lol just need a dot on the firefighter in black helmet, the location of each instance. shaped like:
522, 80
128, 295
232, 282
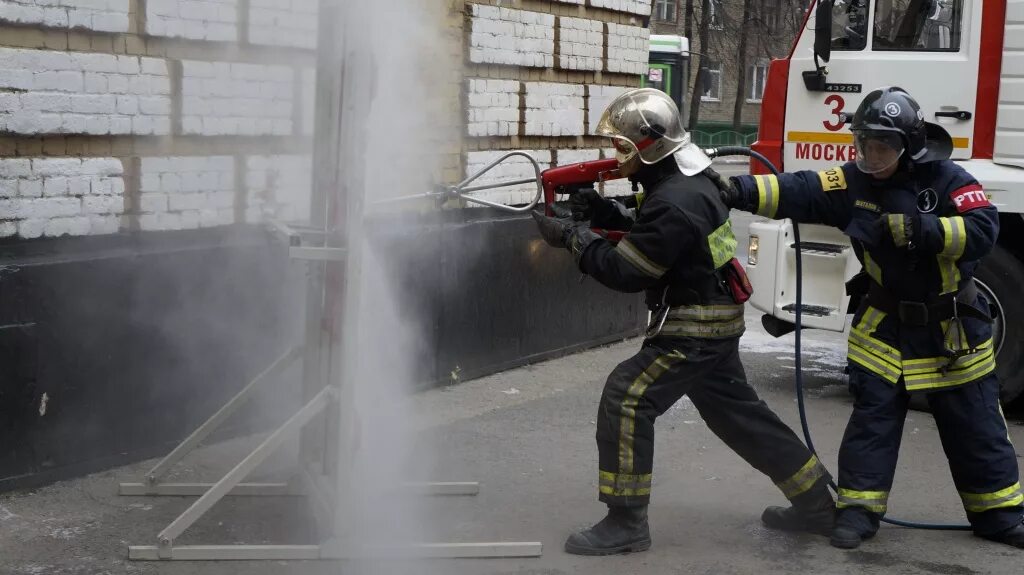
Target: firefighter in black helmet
919, 225
680, 250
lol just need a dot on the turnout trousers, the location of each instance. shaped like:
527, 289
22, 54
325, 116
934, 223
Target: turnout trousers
973, 433
708, 371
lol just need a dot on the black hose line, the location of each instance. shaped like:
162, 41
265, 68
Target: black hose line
744, 151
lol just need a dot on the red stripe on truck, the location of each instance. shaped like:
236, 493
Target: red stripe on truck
770, 133
993, 22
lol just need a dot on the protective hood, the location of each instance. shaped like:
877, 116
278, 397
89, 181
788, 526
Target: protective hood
691, 159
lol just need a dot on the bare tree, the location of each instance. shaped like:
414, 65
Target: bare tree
741, 66
698, 87
688, 20
747, 31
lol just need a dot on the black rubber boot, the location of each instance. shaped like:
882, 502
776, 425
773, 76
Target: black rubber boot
845, 538
1013, 536
624, 530
854, 525
815, 516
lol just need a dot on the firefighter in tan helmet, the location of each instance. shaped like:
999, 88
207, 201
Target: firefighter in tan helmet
680, 251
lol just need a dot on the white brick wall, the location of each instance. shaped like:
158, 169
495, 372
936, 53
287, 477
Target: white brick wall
60, 196
215, 20
580, 44
278, 186
554, 109
629, 49
493, 108
98, 15
641, 7
515, 168
511, 37
611, 189
283, 22
579, 2
82, 93
221, 98
600, 98
567, 157
186, 193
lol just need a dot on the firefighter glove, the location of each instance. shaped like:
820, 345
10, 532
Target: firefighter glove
584, 203
555, 231
613, 215
737, 192
601, 212
902, 229
579, 239
887, 230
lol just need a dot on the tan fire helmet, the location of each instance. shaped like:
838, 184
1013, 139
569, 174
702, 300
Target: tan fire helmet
646, 122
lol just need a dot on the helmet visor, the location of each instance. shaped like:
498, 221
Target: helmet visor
624, 150
877, 151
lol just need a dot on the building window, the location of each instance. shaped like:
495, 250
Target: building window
712, 78
665, 10
757, 78
770, 10
716, 12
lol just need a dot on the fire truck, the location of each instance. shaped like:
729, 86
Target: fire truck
963, 60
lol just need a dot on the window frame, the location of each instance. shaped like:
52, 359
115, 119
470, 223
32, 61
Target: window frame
753, 68
714, 67
868, 15
675, 11
957, 24
716, 10
771, 13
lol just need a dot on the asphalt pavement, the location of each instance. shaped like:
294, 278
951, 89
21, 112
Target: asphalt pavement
527, 436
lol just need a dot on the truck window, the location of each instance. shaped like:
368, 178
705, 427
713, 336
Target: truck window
918, 25
849, 24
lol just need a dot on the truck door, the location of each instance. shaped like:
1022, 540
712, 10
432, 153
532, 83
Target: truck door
928, 47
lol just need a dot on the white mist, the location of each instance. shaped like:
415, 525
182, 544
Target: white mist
393, 58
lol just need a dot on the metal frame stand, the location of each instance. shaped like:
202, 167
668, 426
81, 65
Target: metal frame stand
310, 480
325, 423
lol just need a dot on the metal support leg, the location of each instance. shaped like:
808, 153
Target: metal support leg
227, 553
235, 476
209, 426
448, 489
198, 489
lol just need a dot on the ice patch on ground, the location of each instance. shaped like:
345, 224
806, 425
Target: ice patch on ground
824, 358
5, 514
60, 531
65, 533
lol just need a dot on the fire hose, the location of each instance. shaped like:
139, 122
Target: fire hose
743, 151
